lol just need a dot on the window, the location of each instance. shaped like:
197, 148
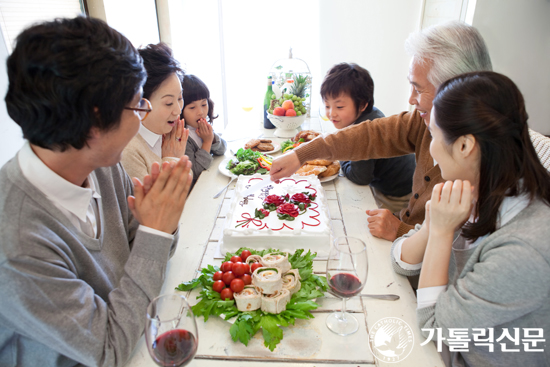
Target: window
231, 46
136, 20
16, 15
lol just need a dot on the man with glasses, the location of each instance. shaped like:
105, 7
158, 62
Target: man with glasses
83, 251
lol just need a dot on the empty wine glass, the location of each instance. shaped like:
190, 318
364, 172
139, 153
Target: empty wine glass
322, 110
171, 331
347, 268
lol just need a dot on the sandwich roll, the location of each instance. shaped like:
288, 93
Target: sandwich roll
253, 259
291, 281
276, 259
248, 299
267, 280
275, 303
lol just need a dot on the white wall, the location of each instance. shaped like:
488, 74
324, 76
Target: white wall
11, 137
518, 37
371, 33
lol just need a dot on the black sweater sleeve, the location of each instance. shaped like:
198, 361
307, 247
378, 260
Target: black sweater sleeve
359, 172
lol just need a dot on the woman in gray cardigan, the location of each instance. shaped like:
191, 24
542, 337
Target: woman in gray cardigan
198, 113
482, 251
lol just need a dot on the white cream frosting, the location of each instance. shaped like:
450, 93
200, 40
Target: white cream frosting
309, 231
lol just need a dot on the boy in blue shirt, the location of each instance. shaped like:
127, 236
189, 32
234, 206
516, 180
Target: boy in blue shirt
347, 92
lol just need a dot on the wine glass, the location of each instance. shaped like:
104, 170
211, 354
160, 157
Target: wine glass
347, 268
322, 110
171, 331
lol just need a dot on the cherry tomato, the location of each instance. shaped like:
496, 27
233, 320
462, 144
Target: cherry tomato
227, 266
239, 269
247, 279
247, 268
218, 275
228, 277
236, 259
255, 266
237, 285
218, 286
245, 254
226, 294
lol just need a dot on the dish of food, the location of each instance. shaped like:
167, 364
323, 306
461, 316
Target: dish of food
259, 289
329, 178
320, 167
302, 137
246, 162
266, 146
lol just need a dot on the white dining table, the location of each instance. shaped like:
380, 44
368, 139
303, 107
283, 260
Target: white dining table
308, 343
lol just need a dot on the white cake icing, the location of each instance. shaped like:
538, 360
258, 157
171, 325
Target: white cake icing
309, 231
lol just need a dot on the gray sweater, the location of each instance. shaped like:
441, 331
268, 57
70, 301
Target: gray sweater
202, 159
503, 283
67, 299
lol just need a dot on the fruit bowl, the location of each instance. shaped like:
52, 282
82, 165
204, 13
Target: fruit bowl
287, 126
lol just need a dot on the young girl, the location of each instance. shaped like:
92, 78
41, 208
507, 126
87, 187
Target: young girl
162, 136
198, 113
482, 252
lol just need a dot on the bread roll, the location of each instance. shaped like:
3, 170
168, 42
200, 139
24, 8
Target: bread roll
320, 162
310, 169
331, 170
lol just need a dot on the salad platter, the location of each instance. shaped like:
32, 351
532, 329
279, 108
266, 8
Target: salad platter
258, 289
246, 162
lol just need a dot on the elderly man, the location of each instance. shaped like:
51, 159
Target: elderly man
438, 53
80, 257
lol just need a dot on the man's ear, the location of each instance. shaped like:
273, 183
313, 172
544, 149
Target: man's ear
95, 132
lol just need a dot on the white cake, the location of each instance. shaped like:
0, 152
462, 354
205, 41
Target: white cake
310, 231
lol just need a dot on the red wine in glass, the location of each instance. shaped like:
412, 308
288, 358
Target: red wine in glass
347, 268
174, 348
345, 285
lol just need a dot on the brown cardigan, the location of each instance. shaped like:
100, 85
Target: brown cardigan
385, 137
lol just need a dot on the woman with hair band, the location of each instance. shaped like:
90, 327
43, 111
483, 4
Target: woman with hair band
482, 251
162, 136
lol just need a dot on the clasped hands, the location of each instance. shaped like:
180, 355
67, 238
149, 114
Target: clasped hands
158, 202
205, 131
175, 142
450, 207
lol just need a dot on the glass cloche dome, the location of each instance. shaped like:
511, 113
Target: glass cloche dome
292, 76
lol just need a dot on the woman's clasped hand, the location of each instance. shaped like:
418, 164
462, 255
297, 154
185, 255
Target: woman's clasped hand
450, 206
175, 141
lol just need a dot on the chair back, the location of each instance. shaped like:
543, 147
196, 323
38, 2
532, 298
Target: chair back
542, 147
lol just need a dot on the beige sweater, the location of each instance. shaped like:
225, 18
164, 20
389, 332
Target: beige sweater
138, 157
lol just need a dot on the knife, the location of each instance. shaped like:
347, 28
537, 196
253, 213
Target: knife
257, 187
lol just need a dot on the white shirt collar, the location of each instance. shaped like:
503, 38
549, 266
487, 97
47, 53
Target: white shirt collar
193, 135
69, 196
150, 137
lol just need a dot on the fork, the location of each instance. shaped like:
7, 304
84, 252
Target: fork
225, 187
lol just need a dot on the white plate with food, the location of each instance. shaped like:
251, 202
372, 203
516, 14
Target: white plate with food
224, 171
262, 145
329, 178
276, 148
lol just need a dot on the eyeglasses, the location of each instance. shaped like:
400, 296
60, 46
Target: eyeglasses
143, 109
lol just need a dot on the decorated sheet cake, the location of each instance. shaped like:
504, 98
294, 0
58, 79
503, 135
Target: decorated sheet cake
290, 215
